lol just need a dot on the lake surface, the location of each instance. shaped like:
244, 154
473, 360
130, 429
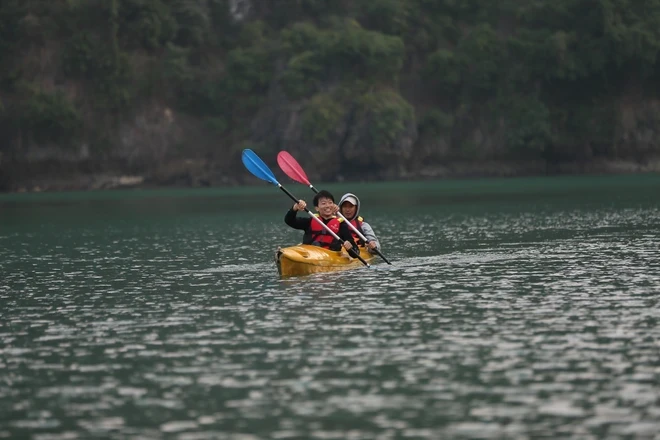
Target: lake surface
515, 308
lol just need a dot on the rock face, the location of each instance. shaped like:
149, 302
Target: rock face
639, 130
150, 137
370, 136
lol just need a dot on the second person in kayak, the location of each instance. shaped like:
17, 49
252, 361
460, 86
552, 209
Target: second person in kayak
314, 233
350, 208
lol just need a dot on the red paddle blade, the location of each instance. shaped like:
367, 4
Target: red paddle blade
291, 167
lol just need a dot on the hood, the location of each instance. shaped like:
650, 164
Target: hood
351, 195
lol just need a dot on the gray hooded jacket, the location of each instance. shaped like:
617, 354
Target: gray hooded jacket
367, 230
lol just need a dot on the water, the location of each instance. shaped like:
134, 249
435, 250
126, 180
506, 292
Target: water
515, 308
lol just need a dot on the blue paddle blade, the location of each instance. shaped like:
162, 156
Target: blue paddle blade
256, 166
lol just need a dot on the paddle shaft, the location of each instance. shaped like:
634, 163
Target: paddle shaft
352, 251
350, 225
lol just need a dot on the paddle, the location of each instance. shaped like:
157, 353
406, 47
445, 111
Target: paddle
256, 166
292, 168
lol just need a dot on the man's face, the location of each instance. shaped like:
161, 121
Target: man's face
348, 210
325, 207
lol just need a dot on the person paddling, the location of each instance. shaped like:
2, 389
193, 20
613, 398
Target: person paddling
349, 206
315, 234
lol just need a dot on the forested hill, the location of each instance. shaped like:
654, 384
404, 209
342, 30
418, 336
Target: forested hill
170, 91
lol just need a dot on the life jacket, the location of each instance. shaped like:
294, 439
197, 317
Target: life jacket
321, 237
357, 222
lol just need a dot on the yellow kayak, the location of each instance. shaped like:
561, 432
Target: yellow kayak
306, 259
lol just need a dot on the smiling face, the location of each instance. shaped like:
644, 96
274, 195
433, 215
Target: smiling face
325, 207
348, 210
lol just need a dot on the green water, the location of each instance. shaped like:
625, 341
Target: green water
515, 308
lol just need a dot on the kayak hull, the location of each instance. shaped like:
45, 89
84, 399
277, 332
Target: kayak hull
306, 259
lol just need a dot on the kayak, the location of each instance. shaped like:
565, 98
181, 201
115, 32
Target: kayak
305, 259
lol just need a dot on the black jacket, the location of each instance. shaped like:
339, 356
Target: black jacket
304, 224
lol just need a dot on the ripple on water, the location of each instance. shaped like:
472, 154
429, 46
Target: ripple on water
499, 324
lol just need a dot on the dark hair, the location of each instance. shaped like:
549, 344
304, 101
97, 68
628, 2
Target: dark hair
323, 194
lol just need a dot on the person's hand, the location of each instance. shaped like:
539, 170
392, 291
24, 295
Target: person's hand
300, 206
347, 245
371, 244
335, 209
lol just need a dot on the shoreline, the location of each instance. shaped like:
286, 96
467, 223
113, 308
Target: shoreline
187, 174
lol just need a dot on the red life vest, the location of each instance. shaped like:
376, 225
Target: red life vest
357, 222
321, 237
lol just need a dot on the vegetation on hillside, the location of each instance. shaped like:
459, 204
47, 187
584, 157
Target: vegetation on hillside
448, 79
